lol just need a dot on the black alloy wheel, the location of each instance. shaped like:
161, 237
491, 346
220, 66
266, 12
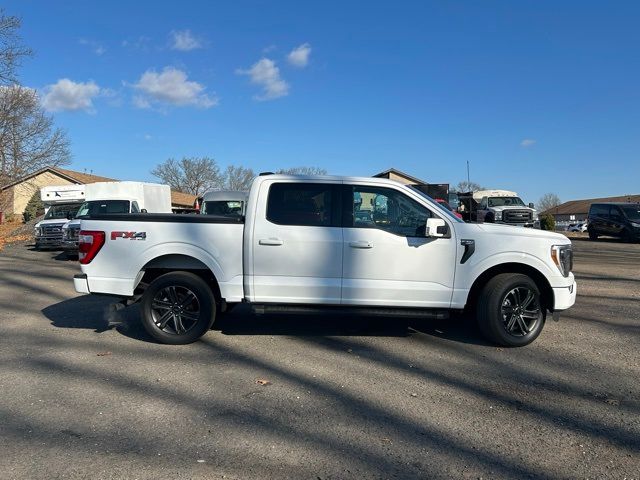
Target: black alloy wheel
510, 310
178, 308
175, 310
521, 311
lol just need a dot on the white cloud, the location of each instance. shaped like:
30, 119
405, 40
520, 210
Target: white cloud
299, 56
172, 87
184, 40
266, 74
527, 142
66, 94
141, 43
97, 47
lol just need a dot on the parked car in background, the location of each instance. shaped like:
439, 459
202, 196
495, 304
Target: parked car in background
446, 205
227, 203
367, 245
577, 227
620, 220
116, 197
61, 203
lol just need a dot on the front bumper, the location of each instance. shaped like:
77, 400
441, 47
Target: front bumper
80, 283
564, 297
70, 245
48, 242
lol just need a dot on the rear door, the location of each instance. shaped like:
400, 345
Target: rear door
388, 261
297, 243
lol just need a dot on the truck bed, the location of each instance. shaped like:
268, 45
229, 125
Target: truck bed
137, 241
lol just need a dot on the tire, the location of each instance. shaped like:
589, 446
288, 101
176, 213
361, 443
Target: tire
627, 236
178, 308
592, 235
506, 314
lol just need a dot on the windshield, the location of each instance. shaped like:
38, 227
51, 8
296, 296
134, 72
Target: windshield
632, 212
226, 208
442, 209
96, 207
506, 202
61, 211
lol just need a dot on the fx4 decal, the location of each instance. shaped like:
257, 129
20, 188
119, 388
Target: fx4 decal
129, 235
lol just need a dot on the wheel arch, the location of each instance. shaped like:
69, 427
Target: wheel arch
173, 262
546, 292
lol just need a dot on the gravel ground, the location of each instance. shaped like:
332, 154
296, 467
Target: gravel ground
344, 397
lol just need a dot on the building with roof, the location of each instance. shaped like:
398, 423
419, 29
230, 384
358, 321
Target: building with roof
15, 196
398, 176
578, 210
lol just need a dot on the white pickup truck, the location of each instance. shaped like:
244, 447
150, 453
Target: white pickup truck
368, 245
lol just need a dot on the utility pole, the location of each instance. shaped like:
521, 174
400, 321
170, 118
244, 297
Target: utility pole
468, 178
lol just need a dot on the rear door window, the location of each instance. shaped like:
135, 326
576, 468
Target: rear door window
302, 204
600, 210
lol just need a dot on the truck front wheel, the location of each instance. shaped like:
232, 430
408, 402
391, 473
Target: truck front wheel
509, 310
178, 308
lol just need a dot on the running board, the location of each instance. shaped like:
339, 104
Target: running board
433, 314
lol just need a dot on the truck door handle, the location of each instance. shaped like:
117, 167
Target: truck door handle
275, 242
361, 244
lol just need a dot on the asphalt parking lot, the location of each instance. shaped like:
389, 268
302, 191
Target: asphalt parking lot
344, 397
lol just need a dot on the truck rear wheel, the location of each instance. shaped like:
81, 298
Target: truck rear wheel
510, 311
178, 308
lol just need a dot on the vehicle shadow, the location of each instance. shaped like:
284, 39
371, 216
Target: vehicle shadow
56, 253
97, 313
242, 321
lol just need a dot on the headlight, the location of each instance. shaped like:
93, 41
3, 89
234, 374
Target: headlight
498, 216
37, 231
562, 256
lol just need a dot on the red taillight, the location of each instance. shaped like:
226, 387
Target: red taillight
89, 244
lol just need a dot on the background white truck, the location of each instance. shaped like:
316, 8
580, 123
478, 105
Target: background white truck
116, 197
337, 243
498, 206
227, 203
60, 204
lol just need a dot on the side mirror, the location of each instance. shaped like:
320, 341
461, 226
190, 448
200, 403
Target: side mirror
70, 215
531, 205
436, 227
144, 210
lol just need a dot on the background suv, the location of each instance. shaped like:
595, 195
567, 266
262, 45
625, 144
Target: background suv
615, 220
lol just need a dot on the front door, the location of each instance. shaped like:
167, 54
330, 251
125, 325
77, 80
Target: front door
388, 261
297, 244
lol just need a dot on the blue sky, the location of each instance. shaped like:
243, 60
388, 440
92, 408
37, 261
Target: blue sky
537, 96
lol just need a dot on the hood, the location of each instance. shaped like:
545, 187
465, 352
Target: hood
512, 207
510, 230
51, 221
72, 223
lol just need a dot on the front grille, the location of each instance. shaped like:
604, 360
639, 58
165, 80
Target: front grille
52, 232
517, 216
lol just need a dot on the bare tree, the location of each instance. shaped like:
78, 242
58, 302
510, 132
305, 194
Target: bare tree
238, 178
193, 175
303, 171
547, 201
465, 186
28, 139
11, 49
